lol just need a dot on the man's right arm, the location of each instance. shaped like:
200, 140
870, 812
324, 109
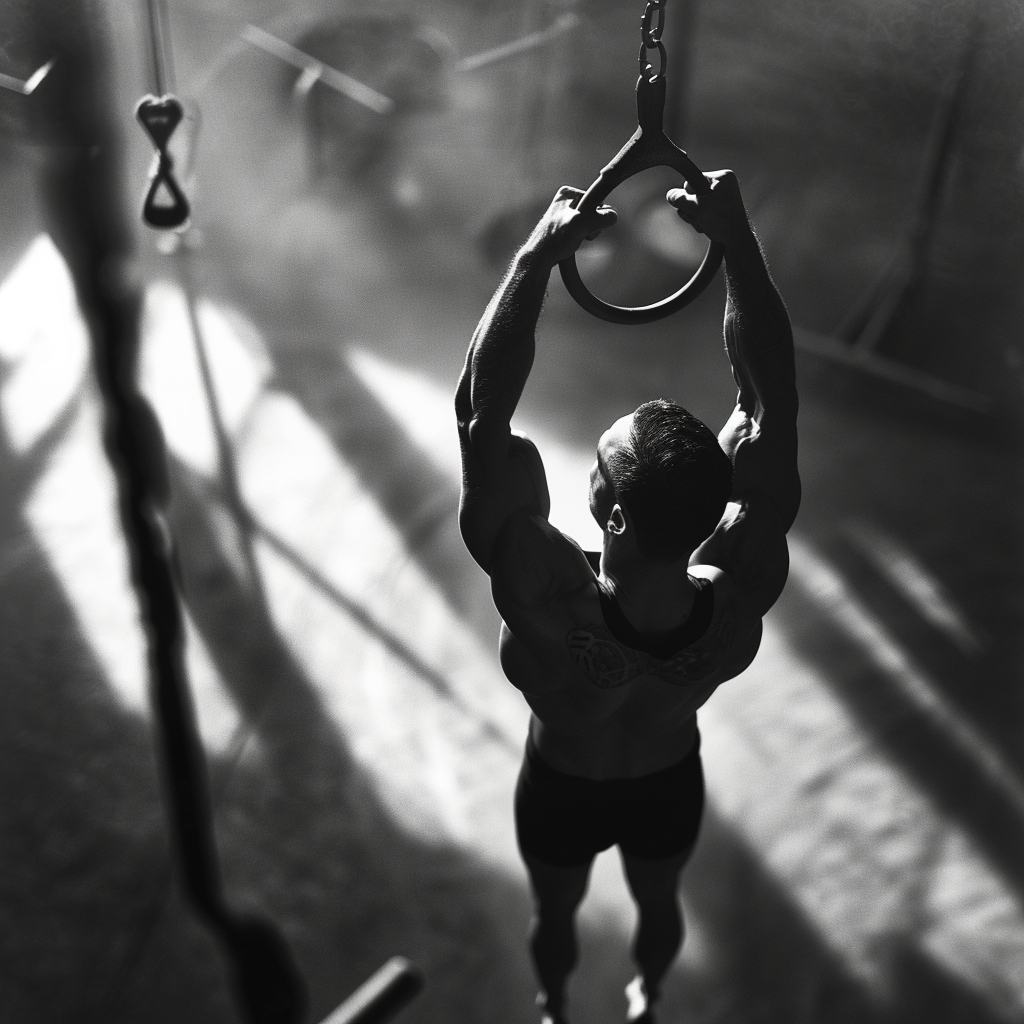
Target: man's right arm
502, 472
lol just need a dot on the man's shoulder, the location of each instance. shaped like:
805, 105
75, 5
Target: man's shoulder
540, 580
748, 550
535, 563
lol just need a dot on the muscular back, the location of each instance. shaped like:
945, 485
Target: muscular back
602, 707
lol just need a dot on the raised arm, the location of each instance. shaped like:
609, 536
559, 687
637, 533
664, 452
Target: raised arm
760, 436
502, 472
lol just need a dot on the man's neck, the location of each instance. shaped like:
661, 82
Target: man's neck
654, 596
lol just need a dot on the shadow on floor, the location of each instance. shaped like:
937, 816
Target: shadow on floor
769, 963
916, 742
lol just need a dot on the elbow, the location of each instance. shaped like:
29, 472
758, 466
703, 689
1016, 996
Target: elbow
463, 401
479, 541
489, 437
793, 510
789, 501
786, 406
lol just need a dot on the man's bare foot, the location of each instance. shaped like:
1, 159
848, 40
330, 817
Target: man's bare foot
640, 1009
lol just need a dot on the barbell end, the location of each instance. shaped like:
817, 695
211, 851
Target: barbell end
382, 995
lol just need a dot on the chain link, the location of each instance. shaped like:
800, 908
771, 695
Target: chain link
650, 31
652, 23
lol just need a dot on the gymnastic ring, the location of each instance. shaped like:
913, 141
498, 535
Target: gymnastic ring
649, 147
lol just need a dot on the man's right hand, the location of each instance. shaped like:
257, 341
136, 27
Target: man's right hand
563, 229
719, 214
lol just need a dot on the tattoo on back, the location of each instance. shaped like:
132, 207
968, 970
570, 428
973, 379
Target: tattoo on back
608, 663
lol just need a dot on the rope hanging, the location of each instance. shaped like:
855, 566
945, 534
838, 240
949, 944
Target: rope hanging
265, 979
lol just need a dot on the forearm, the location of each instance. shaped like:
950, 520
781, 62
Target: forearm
758, 334
501, 353
502, 350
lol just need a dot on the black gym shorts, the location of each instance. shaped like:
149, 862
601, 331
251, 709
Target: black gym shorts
566, 820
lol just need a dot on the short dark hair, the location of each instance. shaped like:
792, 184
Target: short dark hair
672, 477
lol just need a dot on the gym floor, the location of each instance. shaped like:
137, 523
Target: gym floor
861, 856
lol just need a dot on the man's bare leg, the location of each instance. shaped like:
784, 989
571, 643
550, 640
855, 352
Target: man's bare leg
659, 933
557, 892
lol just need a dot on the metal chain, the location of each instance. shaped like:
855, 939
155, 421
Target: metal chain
649, 29
652, 23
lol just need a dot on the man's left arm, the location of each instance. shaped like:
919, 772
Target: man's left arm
760, 437
502, 472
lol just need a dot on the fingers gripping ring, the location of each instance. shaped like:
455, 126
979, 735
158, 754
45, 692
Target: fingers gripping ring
574, 284
636, 314
649, 147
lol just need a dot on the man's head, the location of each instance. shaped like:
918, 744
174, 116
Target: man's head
667, 472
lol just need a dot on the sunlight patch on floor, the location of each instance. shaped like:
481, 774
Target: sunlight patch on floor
917, 584
170, 374
864, 853
438, 769
43, 345
427, 413
72, 514
828, 589
71, 510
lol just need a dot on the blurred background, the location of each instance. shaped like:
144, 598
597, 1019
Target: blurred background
360, 173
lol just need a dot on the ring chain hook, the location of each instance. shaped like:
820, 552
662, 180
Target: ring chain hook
652, 23
649, 147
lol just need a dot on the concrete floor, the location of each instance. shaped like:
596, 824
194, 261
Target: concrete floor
861, 854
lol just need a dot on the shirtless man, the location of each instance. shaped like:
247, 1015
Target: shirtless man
615, 651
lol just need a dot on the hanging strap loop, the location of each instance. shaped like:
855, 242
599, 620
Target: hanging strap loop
160, 117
